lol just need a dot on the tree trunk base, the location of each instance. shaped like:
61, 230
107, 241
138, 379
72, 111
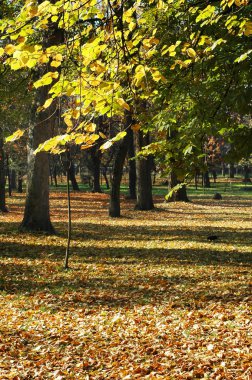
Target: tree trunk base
4, 210
145, 207
130, 197
114, 214
97, 191
32, 226
172, 199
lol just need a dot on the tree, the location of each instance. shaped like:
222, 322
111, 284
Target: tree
121, 55
3, 207
205, 45
37, 214
132, 165
117, 171
143, 170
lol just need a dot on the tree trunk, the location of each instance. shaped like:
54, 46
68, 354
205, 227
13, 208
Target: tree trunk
231, 170
223, 170
3, 207
206, 180
37, 215
117, 172
96, 164
132, 166
20, 183
143, 171
72, 177
246, 174
8, 175
104, 173
13, 179
179, 195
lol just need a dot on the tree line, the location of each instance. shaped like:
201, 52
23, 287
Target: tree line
124, 79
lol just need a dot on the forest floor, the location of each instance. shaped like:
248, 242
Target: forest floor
147, 295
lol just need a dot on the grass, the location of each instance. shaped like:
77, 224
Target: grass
224, 185
147, 295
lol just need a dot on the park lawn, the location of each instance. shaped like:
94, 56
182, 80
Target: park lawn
147, 295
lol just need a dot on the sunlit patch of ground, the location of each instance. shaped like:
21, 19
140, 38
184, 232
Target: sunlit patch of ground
147, 295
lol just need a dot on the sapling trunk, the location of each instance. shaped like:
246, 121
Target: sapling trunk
8, 175
69, 229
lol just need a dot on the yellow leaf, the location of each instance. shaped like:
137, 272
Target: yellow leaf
102, 135
54, 18
48, 102
55, 63
90, 127
92, 138
123, 104
9, 49
95, 82
43, 59
191, 53
119, 136
132, 25
157, 76
1, 51
86, 147
80, 139
248, 28
31, 63
58, 57
68, 121
241, 3
54, 74
16, 65
33, 11
15, 136
75, 113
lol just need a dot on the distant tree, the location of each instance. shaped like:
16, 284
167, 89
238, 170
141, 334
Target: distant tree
3, 207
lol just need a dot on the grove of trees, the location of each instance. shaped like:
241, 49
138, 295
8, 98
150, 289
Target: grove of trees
158, 83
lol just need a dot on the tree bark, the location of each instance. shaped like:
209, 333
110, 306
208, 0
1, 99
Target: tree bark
117, 172
132, 166
231, 170
37, 214
13, 179
3, 207
206, 180
96, 164
246, 174
20, 183
223, 170
72, 177
143, 171
104, 173
8, 175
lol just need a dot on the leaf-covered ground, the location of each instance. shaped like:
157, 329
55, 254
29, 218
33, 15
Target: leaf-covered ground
147, 295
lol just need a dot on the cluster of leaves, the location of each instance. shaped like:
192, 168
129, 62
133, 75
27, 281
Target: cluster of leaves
145, 298
116, 57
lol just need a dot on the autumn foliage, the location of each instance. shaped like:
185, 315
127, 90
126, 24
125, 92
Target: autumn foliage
147, 295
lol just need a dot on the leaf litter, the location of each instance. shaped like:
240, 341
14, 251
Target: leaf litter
147, 295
